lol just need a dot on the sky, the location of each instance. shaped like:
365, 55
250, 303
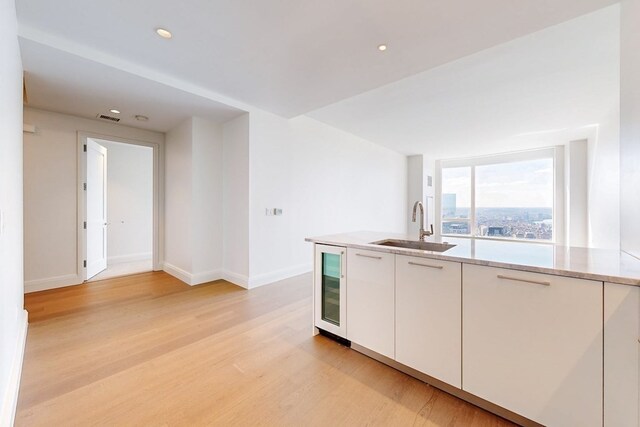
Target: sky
519, 184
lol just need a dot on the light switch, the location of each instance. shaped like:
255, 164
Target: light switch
277, 211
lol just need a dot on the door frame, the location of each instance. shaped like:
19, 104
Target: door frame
158, 198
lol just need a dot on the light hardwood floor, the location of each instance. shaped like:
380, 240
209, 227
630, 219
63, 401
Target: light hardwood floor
150, 350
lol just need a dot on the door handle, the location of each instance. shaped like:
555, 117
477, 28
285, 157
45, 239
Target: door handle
516, 279
369, 256
439, 267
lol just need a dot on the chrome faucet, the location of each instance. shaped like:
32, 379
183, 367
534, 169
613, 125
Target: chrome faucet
423, 233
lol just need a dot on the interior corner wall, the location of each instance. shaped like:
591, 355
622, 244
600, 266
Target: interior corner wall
235, 195
630, 127
576, 204
51, 193
193, 201
603, 184
415, 190
12, 316
325, 181
421, 173
177, 199
129, 202
207, 196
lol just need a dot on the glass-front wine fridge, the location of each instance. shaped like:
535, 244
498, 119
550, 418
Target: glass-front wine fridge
330, 289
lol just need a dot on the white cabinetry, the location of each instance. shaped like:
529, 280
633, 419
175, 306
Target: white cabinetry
621, 355
428, 317
370, 300
533, 344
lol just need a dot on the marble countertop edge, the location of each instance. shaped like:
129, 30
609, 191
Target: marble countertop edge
355, 240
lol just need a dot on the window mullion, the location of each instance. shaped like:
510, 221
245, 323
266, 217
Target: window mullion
472, 213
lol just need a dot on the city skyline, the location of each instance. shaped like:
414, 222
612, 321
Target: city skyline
517, 184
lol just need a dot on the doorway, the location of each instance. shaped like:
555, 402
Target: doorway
119, 207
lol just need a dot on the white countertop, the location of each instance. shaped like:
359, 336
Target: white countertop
596, 264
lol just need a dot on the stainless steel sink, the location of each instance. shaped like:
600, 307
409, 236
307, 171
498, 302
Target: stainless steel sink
413, 244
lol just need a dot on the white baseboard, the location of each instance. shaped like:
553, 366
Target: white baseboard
274, 276
206, 277
192, 279
235, 278
10, 398
176, 272
52, 283
129, 258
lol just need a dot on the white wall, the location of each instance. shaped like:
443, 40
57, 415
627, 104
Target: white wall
576, 207
415, 191
207, 197
236, 200
193, 199
630, 127
177, 197
325, 180
12, 316
50, 193
603, 182
129, 201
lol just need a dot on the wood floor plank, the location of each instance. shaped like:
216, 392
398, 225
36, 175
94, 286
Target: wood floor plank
150, 350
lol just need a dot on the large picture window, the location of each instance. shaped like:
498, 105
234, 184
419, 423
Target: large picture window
501, 197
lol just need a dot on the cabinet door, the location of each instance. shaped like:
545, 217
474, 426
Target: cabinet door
532, 343
330, 308
370, 300
428, 317
621, 355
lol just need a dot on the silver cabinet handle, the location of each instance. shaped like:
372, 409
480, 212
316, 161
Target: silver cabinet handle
342, 264
516, 279
369, 256
439, 267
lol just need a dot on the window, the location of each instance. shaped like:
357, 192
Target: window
509, 196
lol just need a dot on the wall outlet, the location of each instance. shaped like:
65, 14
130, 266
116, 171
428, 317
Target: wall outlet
273, 211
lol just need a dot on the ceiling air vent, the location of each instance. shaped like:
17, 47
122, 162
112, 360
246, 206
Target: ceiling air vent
105, 117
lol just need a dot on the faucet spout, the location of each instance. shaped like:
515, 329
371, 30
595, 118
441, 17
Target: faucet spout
423, 233
417, 205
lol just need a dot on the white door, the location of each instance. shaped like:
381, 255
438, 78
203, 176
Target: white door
96, 197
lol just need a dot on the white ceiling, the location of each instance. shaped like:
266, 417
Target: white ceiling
287, 57
65, 83
542, 89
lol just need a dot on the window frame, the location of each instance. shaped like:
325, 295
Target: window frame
555, 153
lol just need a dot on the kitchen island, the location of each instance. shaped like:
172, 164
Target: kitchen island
539, 334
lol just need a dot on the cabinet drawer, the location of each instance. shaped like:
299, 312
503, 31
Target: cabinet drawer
371, 300
428, 317
532, 343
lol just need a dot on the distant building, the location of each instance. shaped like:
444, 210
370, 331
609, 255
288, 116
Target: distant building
497, 231
449, 205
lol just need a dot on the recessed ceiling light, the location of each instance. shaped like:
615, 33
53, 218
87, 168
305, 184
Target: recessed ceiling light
165, 34
382, 47
141, 118
114, 111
